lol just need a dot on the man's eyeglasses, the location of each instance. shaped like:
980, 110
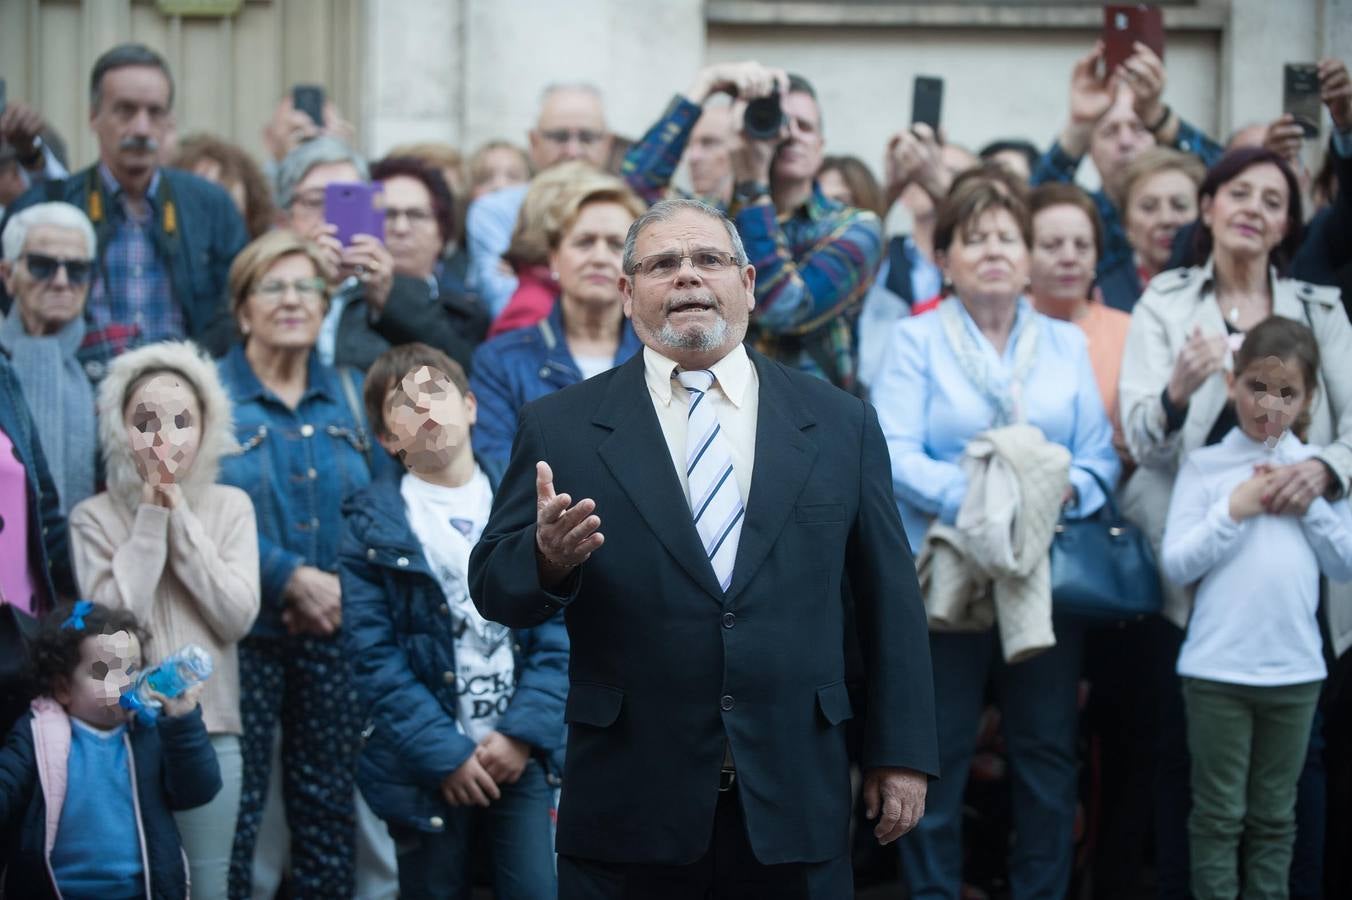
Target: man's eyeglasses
43, 268
275, 289
584, 136
666, 265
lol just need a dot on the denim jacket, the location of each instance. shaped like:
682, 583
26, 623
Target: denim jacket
297, 466
515, 368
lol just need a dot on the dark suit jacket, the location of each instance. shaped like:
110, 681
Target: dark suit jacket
665, 667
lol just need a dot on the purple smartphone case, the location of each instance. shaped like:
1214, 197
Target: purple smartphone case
353, 207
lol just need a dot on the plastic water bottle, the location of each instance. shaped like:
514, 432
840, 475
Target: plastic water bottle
175, 674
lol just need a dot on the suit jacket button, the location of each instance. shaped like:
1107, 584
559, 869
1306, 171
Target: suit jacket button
727, 702
729, 620
307, 430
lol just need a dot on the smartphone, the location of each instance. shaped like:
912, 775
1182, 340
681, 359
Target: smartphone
927, 99
1300, 96
309, 99
356, 208
2, 96
1125, 24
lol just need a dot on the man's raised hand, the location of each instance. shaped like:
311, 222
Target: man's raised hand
565, 532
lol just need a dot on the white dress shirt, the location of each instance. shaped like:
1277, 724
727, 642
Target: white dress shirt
735, 396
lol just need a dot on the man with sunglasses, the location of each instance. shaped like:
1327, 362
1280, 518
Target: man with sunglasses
47, 267
165, 238
571, 125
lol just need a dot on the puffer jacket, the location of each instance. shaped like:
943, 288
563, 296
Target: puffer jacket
513, 369
402, 645
173, 769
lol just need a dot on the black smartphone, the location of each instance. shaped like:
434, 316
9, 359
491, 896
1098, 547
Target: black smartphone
309, 99
927, 99
1300, 96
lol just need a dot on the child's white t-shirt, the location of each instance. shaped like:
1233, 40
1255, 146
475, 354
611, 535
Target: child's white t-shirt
448, 522
1254, 616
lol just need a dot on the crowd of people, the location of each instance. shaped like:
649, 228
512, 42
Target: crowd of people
226, 423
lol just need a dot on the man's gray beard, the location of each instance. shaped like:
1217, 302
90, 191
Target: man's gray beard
701, 339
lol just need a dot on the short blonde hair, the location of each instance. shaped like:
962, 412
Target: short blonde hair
530, 236
1152, 161
434, 153
253, 262
581, 194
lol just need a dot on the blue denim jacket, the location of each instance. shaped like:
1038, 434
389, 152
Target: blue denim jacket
297, 465
515, 368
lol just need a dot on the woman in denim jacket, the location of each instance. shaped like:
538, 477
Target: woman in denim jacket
303, 449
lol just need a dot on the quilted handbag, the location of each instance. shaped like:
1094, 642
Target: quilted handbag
1103, 567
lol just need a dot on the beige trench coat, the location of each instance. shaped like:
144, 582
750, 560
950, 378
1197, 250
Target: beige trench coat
1173, 303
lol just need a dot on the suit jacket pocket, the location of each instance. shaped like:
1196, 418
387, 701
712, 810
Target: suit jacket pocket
834, 702
819, 512
594, 704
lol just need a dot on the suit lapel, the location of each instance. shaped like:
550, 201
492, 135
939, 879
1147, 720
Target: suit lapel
636, 454
784, 457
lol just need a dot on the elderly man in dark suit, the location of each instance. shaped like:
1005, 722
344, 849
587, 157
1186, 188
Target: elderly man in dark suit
743, 501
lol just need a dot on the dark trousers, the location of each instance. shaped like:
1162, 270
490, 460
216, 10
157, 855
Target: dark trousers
305, 682
728, 870
1038, 701
1135, 717
517, 833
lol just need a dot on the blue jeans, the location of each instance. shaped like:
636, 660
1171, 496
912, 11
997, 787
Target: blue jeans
1038, 701
519, 839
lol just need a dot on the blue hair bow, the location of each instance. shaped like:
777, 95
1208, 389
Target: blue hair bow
77, 615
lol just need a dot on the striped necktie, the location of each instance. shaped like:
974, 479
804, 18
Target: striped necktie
714, 500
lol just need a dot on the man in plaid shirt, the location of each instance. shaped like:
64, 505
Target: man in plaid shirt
815, 258
166, 238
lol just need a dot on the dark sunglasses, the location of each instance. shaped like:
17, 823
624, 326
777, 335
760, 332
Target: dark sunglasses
43, 268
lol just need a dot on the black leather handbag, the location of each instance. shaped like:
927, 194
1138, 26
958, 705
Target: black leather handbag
1103, 567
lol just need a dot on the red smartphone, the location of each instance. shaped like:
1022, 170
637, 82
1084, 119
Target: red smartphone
1125, 24
356, 208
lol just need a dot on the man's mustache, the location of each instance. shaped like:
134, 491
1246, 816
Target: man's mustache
139, 142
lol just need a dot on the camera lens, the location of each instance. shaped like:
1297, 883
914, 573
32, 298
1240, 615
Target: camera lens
763, 118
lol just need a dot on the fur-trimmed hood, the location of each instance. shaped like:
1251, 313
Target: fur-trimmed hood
218, 431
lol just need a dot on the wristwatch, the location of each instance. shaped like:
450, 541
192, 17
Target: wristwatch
745, 192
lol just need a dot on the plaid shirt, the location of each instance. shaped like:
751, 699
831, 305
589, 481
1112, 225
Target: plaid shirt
1058, 165
650, 164
133, 290
813, 267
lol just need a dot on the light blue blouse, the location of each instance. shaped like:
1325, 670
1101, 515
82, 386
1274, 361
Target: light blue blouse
929, 410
